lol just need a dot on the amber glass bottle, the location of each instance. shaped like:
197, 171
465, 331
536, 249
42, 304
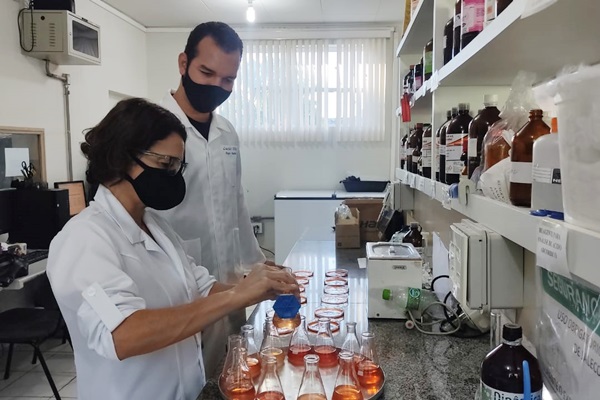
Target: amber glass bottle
426, 151
428, 60
478, 128
521, 157
457, 27
448, 40
456, 133
501, 5
418, 138
440, 174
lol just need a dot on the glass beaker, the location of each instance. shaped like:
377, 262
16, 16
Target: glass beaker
369, 372
324, 345
347, 386
238, 383
351, 342
234, 341
253, 359
270, 387
311, 387
300, 344
271, 342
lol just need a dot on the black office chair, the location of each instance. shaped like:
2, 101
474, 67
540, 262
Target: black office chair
32, 326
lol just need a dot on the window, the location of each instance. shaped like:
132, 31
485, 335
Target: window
310, 90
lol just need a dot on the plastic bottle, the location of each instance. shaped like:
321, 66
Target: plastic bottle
502, 368
426, 151
414, 235
501, 5
311, 386
299, 345
479, 127
438, 144
233, 342
416, 145
270, 387
473, 20
412, 299
546, 192
347, 386
253, 359
324, 345
428, 60
457, 27
521, 157
238, 384
456, 132
368, 371
448, 40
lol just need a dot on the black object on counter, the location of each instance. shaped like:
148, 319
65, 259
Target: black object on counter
354, 184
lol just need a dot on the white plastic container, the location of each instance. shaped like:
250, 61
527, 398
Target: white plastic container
578, 101
546, 190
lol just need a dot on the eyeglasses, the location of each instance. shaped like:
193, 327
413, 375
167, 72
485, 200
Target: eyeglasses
173, 165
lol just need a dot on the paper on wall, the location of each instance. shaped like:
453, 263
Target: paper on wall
13, 158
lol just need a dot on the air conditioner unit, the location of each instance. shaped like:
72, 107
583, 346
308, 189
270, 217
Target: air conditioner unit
61, 37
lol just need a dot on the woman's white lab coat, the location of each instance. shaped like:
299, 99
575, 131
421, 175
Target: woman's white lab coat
103, 268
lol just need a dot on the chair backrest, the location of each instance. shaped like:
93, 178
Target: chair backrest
44, 297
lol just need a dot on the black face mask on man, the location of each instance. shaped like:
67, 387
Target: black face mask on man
158, 188
204, 98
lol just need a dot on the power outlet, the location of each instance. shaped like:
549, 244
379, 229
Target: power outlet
257, 227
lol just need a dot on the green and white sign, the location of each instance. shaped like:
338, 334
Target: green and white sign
488, 393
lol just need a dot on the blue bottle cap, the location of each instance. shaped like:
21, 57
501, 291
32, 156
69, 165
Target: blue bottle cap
286, 306
557, 215
539, 213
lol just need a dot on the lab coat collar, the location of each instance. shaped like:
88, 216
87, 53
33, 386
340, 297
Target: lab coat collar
217, 125
119, 214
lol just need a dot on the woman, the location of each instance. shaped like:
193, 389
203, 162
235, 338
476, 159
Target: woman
134, 303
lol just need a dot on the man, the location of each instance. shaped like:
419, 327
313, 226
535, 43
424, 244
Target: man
213, 219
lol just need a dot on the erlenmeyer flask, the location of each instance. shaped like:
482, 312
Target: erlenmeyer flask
270, 387
351, 342
370, 374
346, 383
311, 387
299, 345
271, 343
253, 359
238, 384
232, 342
324, 346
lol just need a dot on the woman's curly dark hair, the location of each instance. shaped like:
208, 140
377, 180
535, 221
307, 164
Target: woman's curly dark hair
133, 125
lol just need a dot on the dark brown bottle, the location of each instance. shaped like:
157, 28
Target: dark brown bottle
521, 157
418, 80
403, 152
501, 5
478, 128
473, 20
417, 147
456, 133
414, 235
457, 27
410, 147
442, 153
428, 60
426, 151
502, 368
448, 40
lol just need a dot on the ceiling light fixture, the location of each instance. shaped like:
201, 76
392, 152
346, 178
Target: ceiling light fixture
250, 12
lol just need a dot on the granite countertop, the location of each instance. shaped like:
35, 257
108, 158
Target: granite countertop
416, 366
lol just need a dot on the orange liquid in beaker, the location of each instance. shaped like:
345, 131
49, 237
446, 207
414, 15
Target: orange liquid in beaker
296, 354
253, 361
370, 376
242, 393
347, 392
275, 352
270, 396
286, 325
312, 396
328, 356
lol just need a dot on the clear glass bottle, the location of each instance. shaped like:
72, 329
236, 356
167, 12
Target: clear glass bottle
368, 371
271, 345
238, 384
233, 341
351, 342
347, 386
270, 387
311, 386
324, 345
299, 345
521, 157
253, 359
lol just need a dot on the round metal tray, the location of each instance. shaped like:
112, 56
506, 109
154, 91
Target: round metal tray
291, 377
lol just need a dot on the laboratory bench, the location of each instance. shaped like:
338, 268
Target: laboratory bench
416, 366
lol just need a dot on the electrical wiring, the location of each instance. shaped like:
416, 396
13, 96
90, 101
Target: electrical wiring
418, 324
267, 250
19, 18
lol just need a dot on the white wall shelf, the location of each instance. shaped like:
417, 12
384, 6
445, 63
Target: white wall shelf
517, 225
422, 99
420, 26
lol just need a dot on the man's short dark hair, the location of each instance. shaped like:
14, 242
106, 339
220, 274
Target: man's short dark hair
224, 35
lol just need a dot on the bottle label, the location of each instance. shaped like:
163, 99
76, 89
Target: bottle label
521, 172
428, 62
413, 300
490, 11
488, 393
457, 21
546, 175
426, 152
454, 146
445, 41
472, 147
442, 149
473, 16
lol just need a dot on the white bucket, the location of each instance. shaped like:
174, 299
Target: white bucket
578, 101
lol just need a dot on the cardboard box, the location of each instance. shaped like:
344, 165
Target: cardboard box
347, 231
369, 213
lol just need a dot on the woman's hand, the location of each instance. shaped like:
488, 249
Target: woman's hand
265, 282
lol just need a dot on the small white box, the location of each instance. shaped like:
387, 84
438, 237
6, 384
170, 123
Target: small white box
389, 266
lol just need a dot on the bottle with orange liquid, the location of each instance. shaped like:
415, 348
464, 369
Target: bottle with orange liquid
253, 359
369, 372
238, 384
271, 345
311, 387
324, 345
347, 386
299, 345
270, 387
234, 341
351, 342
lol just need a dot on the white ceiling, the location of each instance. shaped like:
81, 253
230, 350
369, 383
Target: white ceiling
189, 13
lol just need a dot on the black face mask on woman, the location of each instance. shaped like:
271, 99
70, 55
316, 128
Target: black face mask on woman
158, 188
204, 98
